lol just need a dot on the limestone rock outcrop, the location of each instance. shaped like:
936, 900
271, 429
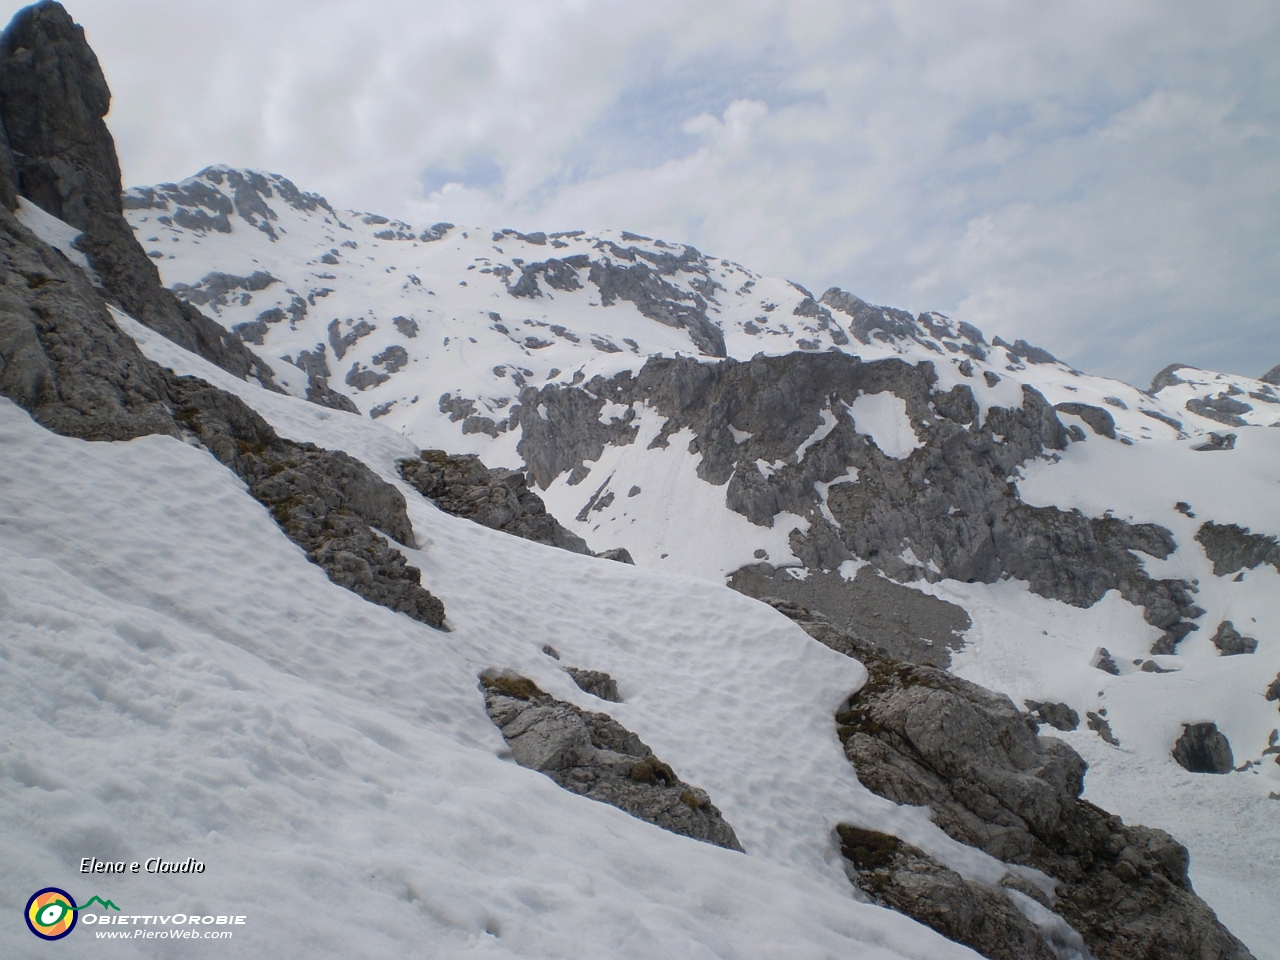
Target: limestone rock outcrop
593, 755
53, 97
460, 484
1231, 642
62, 357
1057, 715
919, 735
897, 875
595, 682
328, 503
1232, 548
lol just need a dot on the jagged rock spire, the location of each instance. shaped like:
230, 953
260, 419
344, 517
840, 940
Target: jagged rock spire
61, 157
53, 98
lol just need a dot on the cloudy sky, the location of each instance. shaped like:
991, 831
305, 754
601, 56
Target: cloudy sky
1100, 178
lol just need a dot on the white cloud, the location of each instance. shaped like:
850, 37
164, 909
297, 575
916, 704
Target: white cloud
1098, 177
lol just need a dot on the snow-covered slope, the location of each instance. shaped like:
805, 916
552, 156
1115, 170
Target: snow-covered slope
436, 332
1224, 398
1179, 485
222, 700
1230, 822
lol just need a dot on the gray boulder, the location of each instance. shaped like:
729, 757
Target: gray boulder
1057, 715
1215, 442
593, 755
595, 682
1229, 641
1103, 660
617, 554
1203, 749
1099, 420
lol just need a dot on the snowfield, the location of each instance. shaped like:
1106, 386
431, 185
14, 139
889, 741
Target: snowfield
191, 686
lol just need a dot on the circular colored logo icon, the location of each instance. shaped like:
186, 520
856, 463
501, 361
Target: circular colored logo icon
51, 913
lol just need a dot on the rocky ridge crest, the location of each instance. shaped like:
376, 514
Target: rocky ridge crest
921, 736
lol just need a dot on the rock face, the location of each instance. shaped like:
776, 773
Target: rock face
1103, 661
637, 275
634, 274
499, 499
1222, 408
947, 509
918, 735
593, 755
903, 878
618, 554
868, 322
53, 97
1203, 749
1100, 725
1168, 377
62, 357
1215, 441
325, 501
